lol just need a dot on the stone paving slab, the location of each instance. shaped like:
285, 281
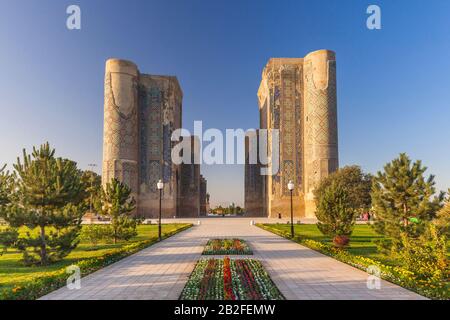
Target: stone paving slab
161, 271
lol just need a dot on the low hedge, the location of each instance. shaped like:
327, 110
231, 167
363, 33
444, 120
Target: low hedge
57, 279
396, 275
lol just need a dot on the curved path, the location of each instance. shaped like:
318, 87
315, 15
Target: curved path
161, 271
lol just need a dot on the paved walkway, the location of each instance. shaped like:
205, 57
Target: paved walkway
161, 271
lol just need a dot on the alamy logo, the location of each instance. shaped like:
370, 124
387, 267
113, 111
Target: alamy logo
73, 21
374, 20
74, 280
262, 147
374, 280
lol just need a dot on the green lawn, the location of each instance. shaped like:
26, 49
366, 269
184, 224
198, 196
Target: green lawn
13, 273
361, 240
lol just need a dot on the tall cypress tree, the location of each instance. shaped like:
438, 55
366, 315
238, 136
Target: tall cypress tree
48, 196
403, 200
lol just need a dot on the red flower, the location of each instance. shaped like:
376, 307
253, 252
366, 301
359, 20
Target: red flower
247, 280
206, 280
227, 281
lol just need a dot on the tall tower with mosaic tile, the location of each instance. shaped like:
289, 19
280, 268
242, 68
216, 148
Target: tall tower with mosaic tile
297, 96
141, 112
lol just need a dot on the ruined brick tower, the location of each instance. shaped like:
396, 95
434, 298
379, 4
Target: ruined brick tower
298, 97
140, 113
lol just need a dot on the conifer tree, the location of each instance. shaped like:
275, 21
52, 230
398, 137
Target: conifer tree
8, 236
116, 203
5, 187
403, 200
48, 196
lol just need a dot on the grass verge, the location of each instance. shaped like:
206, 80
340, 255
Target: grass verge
19, 282
391, 272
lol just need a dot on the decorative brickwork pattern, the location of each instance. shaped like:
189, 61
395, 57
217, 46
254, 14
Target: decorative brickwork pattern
140, 114
298, 97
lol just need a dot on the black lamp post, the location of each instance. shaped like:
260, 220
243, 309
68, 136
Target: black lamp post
291, 188
160, 186
92, 165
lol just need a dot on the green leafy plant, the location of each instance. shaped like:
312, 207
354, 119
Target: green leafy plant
354, 182
335, 213
426, 256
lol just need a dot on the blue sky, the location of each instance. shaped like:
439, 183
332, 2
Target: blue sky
393, 83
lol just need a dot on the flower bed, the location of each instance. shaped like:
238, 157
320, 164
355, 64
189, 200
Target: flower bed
226, 247
54, 280
230, 279
397, 275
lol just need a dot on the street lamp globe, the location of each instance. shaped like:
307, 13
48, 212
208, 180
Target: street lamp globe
290, 185
160, 184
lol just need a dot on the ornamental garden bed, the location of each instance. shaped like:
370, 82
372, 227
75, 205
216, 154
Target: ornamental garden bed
226, 247
230, 279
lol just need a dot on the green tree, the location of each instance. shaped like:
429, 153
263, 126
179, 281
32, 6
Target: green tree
335, 213
354, 181
116, 203
231, 209
8, 236
48, 196
403, 201
6, 183
442, 220
92, 184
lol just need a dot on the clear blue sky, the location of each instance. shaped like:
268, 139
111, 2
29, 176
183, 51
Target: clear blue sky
393, 84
